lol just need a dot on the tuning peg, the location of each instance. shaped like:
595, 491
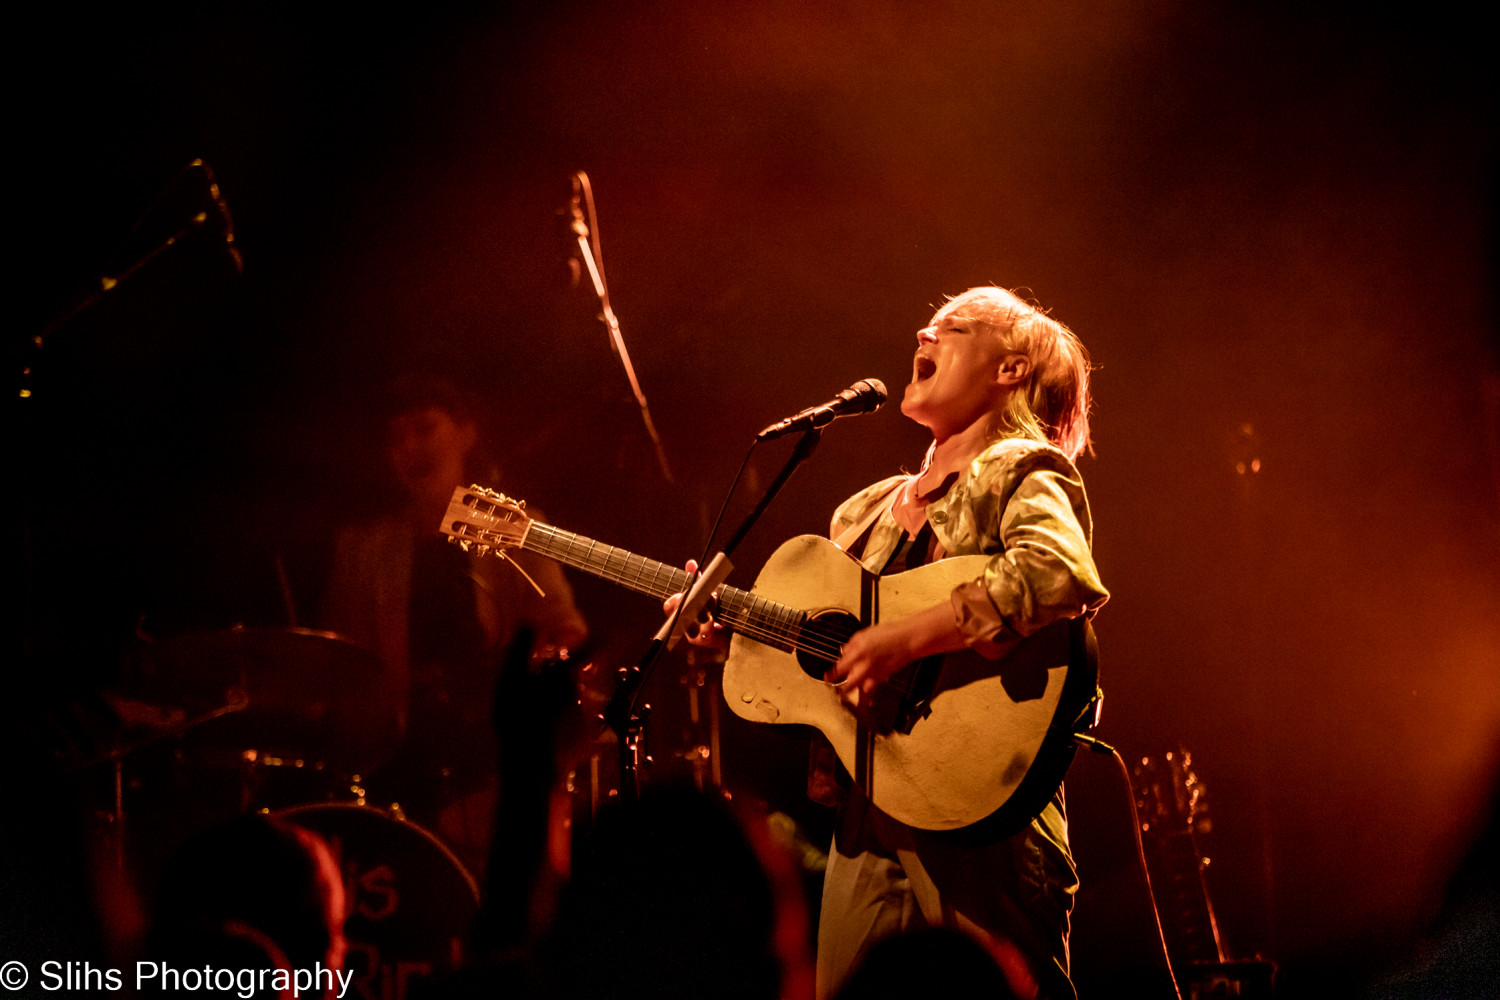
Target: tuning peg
465, 544
482, 549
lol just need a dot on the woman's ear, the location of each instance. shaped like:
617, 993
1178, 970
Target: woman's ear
1015, 369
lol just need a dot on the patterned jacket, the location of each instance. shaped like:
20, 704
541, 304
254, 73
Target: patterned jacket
1020, 502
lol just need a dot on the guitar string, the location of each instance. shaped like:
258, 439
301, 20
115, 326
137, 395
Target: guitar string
773, 624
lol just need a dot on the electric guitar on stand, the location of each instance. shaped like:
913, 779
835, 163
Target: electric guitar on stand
963, 739
1173, 809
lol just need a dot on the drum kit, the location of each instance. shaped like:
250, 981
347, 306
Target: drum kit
293, 722
288, 721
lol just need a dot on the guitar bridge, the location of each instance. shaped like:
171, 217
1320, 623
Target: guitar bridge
912, 712
917, 704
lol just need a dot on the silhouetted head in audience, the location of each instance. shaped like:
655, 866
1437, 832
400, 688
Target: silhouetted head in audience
669, 899
255, 889
932, 962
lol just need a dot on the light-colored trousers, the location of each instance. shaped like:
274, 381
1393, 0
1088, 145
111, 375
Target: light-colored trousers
1014, 895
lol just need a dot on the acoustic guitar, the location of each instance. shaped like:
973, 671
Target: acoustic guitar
959, 742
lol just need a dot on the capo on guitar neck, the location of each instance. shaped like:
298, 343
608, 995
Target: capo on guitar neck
697, 598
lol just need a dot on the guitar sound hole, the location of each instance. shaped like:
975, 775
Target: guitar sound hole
822, 636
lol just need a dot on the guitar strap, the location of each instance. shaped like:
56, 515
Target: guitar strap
869, 613
864, 736
849, 536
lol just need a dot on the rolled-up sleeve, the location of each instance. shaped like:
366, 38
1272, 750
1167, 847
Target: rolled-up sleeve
1033, 515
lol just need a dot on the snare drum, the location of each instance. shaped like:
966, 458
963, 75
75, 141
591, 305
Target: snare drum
411, 903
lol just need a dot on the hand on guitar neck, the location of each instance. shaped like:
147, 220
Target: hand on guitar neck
705, 632
870, 657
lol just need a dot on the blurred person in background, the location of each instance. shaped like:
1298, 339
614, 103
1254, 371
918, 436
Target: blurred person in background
440, 618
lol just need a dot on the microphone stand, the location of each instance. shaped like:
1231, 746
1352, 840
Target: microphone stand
108, 283
580, 230
622, 714
801, 453
31, 354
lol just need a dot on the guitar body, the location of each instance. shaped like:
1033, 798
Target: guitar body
981, 748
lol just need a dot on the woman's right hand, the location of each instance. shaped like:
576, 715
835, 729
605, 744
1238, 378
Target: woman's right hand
705, 631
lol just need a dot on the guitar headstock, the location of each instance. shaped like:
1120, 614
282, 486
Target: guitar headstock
483, 521
1169, 796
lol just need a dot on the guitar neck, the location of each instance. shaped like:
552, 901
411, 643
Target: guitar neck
765, 620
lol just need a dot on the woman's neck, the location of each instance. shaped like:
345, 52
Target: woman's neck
952, 452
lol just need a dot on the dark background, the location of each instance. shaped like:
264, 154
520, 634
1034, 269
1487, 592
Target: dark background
1271, 224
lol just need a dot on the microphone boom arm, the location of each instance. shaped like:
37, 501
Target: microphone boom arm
607, 316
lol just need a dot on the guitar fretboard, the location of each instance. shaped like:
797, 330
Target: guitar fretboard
761, 619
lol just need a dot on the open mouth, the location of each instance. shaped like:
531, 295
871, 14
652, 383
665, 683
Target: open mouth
924, 369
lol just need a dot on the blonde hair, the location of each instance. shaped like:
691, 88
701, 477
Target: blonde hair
1054, 405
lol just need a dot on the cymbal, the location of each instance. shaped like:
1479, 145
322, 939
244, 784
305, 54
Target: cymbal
306, 692
266, 659
141, 724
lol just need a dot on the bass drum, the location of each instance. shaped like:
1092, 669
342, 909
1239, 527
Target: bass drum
411, 904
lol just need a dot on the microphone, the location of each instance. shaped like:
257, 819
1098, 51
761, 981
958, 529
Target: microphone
864, 396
